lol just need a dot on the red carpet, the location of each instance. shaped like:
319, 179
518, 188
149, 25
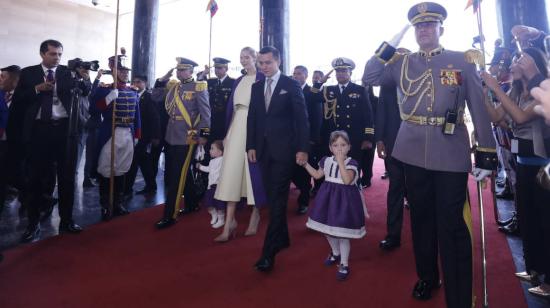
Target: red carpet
127, 263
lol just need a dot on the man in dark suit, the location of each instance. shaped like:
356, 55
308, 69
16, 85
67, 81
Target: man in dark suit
44, 95
277, 137
150, 136
388, 121
9, 77
314, 104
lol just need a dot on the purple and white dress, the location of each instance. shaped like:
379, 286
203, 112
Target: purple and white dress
338, 209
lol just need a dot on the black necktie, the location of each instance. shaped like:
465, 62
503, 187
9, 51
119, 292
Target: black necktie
342, 89
47, 100
219, 82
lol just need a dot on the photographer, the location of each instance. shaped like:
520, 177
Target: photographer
81, 114
44, 94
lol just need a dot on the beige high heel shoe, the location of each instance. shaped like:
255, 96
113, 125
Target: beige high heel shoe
254, 223
231, 233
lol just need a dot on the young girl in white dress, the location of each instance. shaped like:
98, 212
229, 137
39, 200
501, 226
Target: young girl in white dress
216, 208
338, 211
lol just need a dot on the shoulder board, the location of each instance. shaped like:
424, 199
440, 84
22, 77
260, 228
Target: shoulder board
172, 83
474, 56
201, 86
396, 56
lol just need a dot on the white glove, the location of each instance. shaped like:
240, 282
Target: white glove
394, 42
111, 96
480, 174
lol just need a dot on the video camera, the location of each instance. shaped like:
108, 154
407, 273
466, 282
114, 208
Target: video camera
87, 65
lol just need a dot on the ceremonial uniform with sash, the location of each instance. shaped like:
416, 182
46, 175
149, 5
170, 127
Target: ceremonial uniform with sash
187, 106
125, 101
347, 107
433, 143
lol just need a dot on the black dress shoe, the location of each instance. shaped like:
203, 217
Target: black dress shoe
264, 264
106, 214
423, 289
31, 233
188, 210
165, 223
388, 244
88, 183
69, 227
502, 223
510, 229
146, 191
302, 209
385, 175
120, 211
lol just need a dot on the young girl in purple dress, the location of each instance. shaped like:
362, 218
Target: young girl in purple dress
216, 208
338, 211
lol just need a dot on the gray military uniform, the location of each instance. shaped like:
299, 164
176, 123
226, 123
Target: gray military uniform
433, 83
195, 101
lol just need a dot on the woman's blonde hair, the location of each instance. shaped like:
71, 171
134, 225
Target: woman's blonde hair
251, 51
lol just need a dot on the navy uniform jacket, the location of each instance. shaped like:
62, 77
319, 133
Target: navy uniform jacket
218, 97
350, 111
429, 84
314, 104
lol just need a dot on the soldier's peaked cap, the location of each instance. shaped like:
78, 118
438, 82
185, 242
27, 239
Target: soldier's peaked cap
220, 62
427, 12
184, 63
343, 63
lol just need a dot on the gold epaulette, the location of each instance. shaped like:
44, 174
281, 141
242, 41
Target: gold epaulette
488, 150
201, 86
474, 56
396, 56
172, 83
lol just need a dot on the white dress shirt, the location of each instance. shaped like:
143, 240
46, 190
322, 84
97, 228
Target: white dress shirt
58, 111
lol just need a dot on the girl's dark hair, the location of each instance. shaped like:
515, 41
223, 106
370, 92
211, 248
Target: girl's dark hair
218, 144
540, 61
338, 134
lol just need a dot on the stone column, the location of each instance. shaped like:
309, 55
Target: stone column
275, 28
145, 39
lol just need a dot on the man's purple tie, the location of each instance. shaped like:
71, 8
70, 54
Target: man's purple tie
47, 100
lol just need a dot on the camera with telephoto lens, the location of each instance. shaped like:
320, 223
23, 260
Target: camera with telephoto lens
87, 65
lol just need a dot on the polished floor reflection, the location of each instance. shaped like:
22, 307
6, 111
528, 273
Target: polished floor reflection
86, 210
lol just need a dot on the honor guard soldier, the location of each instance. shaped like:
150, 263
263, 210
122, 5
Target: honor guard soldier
347, 107
186, 102
434, 85
219, 91
125, 102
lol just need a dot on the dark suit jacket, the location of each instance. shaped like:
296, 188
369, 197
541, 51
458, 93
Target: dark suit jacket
284, 128
314, 103
388, 119
150, 118
26, 102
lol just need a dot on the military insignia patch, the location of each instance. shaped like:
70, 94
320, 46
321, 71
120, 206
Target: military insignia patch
354, 95
188, 95
451, 77
422, 8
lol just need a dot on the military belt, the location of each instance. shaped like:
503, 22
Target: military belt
124, 120
432, 121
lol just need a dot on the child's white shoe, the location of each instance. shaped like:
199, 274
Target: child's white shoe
220, 221
214, 217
